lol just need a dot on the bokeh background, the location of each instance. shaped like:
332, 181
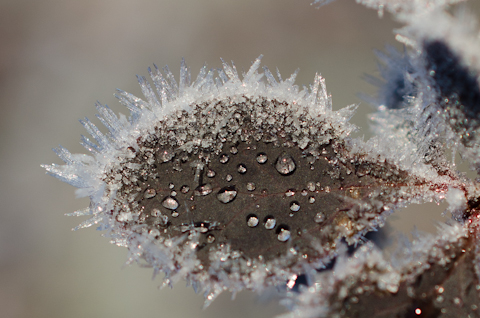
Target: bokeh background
57, 57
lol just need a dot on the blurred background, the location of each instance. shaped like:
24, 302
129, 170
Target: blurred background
57, 57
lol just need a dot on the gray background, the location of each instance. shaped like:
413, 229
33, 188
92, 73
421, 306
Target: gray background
58, 57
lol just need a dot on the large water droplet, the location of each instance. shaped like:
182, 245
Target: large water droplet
203, 189
149, 193
170, 203
227, 194
283, 235
261, 158
285, 164
270, 223
242, 168
252, 220
294, 206
224, 158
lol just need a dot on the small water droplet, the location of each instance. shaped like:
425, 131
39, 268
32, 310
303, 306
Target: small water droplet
210, 173
283, 235
224, 158
149, 193
270, 223
184, 189
311, 186
203, 189
170, 203
210, 238
294, 206
171, 185
319, 217
166, 155
262, 158
285, 164
203, 228
241, 168
228, 177
233, 150
290, 193
227, 194
457, 301
311, 200
251, 186
173, 193
304, 192
252, 220
174, 214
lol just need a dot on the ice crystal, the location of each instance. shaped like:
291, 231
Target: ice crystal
236, 182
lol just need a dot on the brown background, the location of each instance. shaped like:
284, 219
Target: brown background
58, 57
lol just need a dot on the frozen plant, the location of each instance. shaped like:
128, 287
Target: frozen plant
236, 182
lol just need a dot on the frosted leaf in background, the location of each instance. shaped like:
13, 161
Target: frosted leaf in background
432, 276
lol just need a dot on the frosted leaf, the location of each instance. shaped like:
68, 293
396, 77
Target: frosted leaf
435, 277
430, 99
400, 7
196, 182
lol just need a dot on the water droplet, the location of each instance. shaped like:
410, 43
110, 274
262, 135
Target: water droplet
294, 206
227, 194
210, 173
171, 185
252, 220
311, 200
270, 223
233, 150
174, 214
241, 168
224, 158
290, 192
149, 193
319, 217
283, 235
311, 186
210, 238
251, 186
170, 203
184, 189
304, 192
228, 177
261, 158
155, 212
285, 164
457, 301
166, 155
203, 189
173, 193
203, 228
